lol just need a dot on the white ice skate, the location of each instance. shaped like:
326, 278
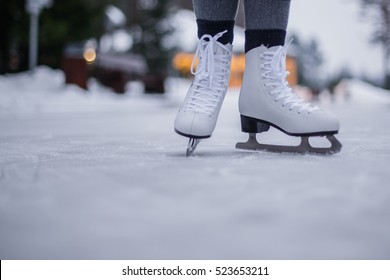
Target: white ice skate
198, 115
267, 100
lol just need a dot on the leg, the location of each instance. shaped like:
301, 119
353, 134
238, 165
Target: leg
216, 16
265, 22
216, 9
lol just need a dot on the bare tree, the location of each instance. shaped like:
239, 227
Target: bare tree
381, 35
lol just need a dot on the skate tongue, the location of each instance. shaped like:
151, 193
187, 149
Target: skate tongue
208, 47
279, 59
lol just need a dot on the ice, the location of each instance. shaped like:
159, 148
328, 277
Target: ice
94, 175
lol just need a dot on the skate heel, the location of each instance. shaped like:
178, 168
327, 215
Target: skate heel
251, 125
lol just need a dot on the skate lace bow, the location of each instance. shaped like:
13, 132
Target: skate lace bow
274, 71
211, 75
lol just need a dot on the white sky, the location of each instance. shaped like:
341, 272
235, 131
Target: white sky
342, 32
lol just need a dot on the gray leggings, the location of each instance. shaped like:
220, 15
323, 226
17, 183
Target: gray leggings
259, 14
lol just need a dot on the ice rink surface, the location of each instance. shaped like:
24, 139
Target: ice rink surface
93, 175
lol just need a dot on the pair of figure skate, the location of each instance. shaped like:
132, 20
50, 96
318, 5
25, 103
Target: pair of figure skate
265, 100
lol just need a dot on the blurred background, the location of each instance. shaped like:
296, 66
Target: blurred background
90, 166
117, 41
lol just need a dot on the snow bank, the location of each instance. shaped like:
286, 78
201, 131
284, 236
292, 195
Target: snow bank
362, 92
45, 90
26, 92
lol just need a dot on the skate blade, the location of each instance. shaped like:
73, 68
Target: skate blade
192, 144
303, 148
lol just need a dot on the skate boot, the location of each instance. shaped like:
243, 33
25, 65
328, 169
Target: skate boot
198, 115
267, 100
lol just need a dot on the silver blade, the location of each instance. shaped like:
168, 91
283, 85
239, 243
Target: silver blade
303, 148
192, 144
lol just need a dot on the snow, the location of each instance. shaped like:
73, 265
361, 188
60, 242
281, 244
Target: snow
119, 41
94, 175
115, 16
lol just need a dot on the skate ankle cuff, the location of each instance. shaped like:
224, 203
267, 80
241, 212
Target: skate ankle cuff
268, 37
214, 27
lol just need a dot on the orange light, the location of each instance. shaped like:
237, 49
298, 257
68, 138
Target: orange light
89, 55
182, 63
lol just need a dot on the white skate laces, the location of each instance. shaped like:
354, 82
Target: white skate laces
211, 75
275, 74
